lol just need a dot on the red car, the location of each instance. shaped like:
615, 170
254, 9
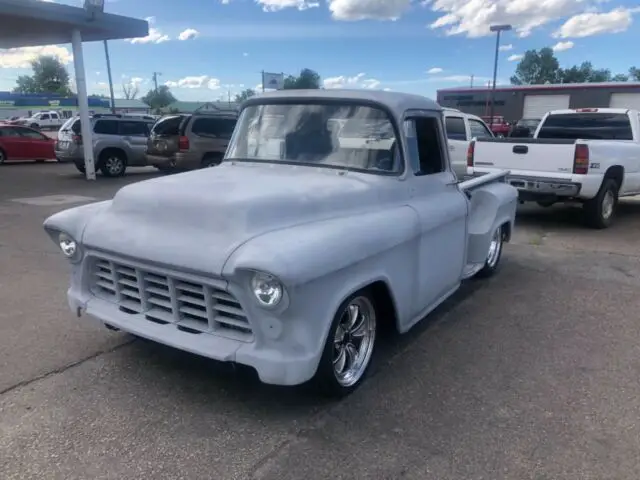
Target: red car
23, 143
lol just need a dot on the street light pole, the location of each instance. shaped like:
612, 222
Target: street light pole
498, 29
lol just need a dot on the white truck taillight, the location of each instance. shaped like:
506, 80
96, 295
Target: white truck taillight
581, 160
470, 152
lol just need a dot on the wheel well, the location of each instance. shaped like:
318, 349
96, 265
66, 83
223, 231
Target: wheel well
113, 149
506, 231
385, 305
616, 173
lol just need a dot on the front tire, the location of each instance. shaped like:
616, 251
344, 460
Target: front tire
494, 254
600, 210
211, 160
349, 348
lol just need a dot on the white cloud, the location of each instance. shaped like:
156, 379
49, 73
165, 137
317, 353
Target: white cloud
474, 17
358, 81
202, 81
434, 70
245, 54
188, 34
506, 48
21, 57
155, 35
368, 9
593, 23
562, 46
516, 57
277, 5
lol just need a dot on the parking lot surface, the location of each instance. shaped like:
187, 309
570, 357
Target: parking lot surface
530, 375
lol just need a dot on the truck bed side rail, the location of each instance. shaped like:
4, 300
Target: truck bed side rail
483, 180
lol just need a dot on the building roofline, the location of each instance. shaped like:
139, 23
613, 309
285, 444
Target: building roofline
547, 86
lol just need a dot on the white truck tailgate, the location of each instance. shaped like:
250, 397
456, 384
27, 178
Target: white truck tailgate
529, 155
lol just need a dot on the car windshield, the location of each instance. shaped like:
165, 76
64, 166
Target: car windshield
338, 135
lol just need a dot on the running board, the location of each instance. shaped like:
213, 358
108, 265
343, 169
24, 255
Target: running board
471, 269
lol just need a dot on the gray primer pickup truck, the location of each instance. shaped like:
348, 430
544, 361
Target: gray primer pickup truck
294, 252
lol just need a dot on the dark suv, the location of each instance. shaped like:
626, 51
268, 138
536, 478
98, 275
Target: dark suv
190, 141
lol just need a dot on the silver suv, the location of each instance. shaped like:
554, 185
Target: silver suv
119, 141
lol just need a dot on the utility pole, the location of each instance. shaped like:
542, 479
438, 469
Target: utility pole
497, 29
155, 80
471, 86
113, 98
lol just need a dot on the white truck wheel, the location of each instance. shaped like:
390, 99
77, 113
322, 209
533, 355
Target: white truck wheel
600, 210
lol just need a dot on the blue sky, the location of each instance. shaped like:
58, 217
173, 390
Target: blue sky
407, 45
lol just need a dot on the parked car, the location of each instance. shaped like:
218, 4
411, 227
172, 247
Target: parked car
291, 263
588, 155
524, 128
22, 143
42, 120
460, 129
119, 142
190, 141
498, 126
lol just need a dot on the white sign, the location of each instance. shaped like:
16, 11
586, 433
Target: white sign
273, 81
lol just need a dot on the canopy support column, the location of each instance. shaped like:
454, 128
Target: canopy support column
83, 105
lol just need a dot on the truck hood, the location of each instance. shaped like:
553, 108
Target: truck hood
195, 220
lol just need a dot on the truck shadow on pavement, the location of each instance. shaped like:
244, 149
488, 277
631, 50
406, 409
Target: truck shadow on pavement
182, 370
571, 217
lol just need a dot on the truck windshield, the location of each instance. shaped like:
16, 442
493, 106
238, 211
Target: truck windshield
589, 126
338, 135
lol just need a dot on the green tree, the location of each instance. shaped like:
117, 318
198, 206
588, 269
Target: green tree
242, 96
159, 99
620, 77
585, 73
308, 79
49, 76
634, 74
537, 67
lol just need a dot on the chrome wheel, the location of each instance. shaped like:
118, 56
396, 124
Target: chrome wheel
353, 341
114, 165
608, 202
494, 248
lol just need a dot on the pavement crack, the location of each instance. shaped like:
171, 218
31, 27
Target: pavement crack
64, 368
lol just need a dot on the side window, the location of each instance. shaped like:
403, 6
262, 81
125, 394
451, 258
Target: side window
423, 137
213, 127
44, 116
137, 129
8, 132
54, 116
455, 128
478, 129
106, 127
27, 133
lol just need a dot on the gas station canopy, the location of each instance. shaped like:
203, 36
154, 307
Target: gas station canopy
27, 23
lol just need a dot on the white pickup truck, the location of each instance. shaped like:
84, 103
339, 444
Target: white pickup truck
461, 128
44, 120
588, 155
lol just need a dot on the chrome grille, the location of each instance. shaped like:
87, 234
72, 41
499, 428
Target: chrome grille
168, 299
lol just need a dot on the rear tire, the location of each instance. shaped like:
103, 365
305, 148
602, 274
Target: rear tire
80, 168
494, 254
113, 163
3, 156
546, 204
601, 209
349, 347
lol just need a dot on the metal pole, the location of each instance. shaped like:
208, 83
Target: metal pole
83, 105
262, 81
113, 98
495, 74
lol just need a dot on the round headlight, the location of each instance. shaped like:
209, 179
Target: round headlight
68, 245
267, 289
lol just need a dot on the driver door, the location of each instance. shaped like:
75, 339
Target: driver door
441, 209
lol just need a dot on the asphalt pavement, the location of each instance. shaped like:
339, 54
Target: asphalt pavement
532, 374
